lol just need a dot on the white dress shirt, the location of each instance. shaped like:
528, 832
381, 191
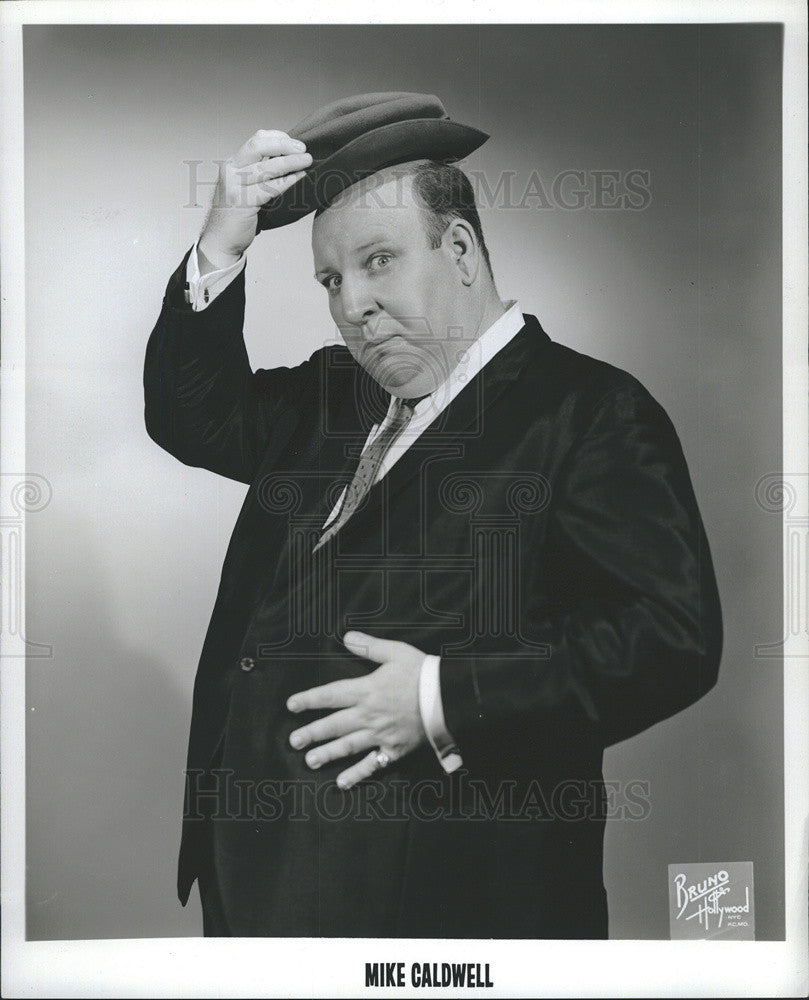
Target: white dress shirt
201, 290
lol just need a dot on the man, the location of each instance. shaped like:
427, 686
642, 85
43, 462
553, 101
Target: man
468, 561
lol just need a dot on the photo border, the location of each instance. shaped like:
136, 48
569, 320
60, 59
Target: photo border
179, 967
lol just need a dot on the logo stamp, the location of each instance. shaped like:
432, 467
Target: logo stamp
712, 901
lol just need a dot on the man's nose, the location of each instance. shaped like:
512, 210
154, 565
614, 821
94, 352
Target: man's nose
358, 303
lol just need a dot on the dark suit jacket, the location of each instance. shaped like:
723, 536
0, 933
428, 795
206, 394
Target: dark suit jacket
542, 537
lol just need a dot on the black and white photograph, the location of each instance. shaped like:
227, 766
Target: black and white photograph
404, 500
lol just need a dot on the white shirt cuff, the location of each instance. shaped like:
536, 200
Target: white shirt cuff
202, 289
432, 715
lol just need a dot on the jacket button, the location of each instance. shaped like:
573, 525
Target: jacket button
247, 663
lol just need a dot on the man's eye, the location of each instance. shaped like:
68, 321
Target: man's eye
379, 260
332, 283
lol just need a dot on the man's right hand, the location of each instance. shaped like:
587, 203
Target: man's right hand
265, 166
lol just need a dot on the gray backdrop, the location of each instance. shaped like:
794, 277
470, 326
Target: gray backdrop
124, 562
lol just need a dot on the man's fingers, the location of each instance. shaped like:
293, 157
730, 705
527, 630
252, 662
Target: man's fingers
275, 166
371, 648
257, 195
337, 694
335, 724
267, 142
361, 771
345, 746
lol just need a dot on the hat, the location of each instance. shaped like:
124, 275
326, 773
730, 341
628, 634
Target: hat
356, 136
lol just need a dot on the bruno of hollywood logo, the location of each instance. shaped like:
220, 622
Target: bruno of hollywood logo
712, 901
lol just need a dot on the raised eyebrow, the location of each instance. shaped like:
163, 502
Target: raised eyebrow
379, 241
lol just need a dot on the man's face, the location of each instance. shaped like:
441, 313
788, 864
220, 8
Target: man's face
393, 297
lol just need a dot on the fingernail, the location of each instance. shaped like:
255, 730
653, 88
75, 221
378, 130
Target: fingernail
295, 740
342, 783
298, 144
292, 705
313, 760
351, 637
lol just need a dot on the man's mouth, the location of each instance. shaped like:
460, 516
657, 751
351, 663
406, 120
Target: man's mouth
372, 346
386, 341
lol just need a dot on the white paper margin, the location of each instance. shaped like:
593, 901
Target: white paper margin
189, 967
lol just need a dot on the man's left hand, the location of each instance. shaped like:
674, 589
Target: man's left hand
379, 711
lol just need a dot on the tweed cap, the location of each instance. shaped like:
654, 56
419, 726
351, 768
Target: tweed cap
357, 136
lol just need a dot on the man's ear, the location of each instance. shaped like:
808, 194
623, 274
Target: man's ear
463, 245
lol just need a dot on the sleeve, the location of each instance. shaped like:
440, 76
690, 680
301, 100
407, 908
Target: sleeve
632, 628
432, 716
202, 289
203, 402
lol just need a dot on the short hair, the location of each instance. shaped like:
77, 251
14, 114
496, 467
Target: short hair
444, 193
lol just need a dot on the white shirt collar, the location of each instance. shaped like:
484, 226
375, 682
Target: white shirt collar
475, 358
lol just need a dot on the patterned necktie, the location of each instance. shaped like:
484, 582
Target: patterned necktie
369, 465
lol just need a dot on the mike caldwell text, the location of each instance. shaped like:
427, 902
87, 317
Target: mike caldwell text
428, 974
